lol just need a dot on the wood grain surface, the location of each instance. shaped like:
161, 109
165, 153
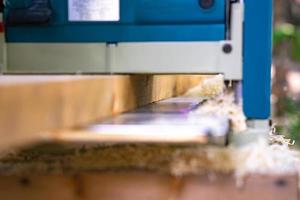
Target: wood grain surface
34, 107
147, 186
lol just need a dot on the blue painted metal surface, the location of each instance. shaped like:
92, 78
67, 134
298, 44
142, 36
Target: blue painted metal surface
257, 58
94, 33
140, 21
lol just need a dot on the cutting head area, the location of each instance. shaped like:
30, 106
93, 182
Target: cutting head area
168, 121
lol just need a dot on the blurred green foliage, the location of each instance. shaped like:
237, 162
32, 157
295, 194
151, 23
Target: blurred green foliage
288, 33
283, 32
286, 37
292, 115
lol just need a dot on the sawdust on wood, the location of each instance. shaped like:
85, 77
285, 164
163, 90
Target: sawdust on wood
224, 105
176, 160
274, 156
219, 102
210, 87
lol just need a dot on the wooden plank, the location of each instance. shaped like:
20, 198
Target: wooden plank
33, 107
91, 136
256, 187
142, 185
153, 126
176, 159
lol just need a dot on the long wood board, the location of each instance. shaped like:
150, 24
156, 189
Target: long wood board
142, 186
33, 107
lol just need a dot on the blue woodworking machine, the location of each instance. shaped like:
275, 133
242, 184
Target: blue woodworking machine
232, 37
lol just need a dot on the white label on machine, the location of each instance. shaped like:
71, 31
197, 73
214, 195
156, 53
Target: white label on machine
94, 10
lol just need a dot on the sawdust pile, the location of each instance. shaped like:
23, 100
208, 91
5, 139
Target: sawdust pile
224, 105
202, 160
267, 157
210, 87
219, 102
273, 157
170, 159
264, 157
176, 160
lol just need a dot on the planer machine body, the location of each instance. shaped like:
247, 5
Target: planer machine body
232, 37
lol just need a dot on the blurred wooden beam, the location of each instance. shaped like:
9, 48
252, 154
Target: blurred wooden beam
147, 185
32, 106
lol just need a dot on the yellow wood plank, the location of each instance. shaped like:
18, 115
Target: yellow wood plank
32, 106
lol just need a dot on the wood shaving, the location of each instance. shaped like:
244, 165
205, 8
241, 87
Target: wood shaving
208, 88
176, 160
202, 160
275, 138
219, 102
224, 105
171, 159
263, 158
